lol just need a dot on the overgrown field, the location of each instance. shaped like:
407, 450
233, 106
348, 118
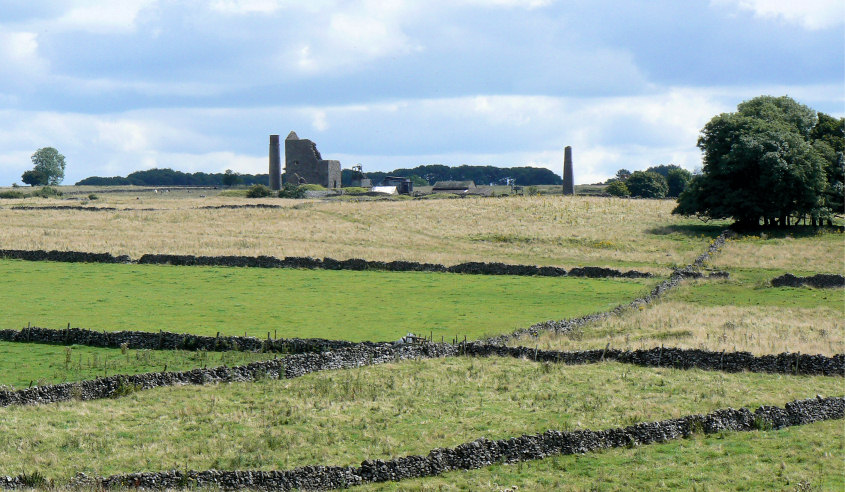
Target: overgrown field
343, 417
543, 230
741, 313
376, 306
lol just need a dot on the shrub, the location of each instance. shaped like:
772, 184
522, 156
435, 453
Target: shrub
11, 194
355, 190
47, 192
532, 191
258, 191
93, 197
647, 185
292, 191
617, 188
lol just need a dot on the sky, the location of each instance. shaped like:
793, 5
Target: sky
127, 85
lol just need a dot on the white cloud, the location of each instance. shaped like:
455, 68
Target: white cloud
811, 14
115, 16
20, 62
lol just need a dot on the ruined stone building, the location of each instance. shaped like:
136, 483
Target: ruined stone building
305, 165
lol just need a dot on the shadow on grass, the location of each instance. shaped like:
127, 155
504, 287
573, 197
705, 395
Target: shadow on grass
795, 232
691, 230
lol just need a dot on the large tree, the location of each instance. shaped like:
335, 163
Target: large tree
50, 163
758, 164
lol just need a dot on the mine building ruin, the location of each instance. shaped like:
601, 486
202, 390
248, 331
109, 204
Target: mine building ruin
305, 165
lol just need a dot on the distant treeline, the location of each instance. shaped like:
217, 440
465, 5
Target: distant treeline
421, 175
169, 177
481, 175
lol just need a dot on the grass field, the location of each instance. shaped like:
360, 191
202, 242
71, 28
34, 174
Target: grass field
343, 417
741, 313
39, 364
377, 306
543, 230
805, 458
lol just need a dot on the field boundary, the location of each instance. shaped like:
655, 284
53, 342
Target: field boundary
818, 281
297, 365
304, 262
476, 454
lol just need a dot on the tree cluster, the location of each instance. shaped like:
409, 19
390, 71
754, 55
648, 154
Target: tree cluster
773, 162
170, 177
655, 182
48, 168
428, 175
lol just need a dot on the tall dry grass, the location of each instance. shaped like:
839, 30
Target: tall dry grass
556, 230
823, 252
758, 329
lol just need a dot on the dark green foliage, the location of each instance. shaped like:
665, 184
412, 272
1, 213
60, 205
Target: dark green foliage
11, 194
617, 188
93, 197
259, 191
647, 185
677, 180
231, 178
290, 190
46, 192
50, 163
34, 178
758, 164
676, 177
427, 175
828, 139
34, 480
169, 177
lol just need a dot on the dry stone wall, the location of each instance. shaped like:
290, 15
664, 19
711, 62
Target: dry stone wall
369, 354
474, 268
477, 454
819, 281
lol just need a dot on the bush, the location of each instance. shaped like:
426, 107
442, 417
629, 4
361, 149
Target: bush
47, 192
355, 190
259, 191
93, 197
617, 188
647, 185
11, 194
292, 191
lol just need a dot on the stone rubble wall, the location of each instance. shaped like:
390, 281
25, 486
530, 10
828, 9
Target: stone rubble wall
357, 264
141, 340
477, 454
819, 281
370, 354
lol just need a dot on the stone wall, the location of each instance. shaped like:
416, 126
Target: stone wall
477, 454
366, 354
819, 281
472, 267
303, 160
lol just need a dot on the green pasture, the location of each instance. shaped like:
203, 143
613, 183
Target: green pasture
293, 303
22, 364
376, 412
752, 287
804, 458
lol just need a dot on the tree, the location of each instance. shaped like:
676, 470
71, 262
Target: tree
48, 161
758, 164
617, 188
647, 185
828, 140
677, 180
623, 174
231, 178
34, 178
